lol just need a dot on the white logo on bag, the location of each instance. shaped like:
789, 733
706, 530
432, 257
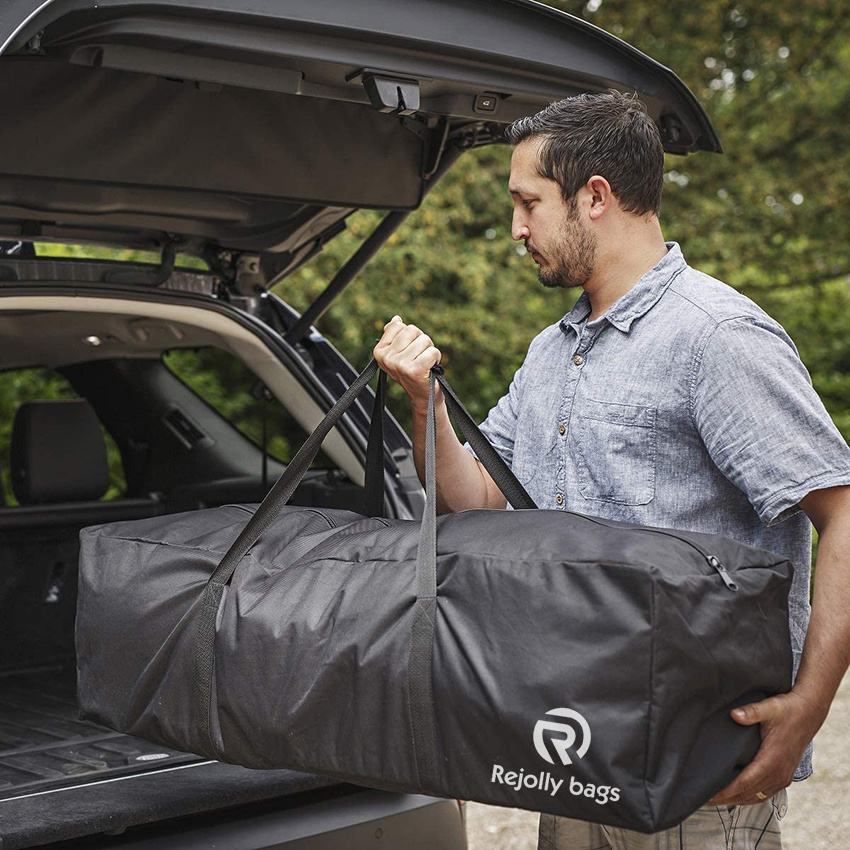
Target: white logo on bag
561, 745
525, 779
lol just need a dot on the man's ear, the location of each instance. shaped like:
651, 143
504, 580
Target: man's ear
601, 197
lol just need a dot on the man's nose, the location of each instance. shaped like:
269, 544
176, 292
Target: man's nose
519, 229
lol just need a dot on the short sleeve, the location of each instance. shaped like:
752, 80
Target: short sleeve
762, 422
500, 425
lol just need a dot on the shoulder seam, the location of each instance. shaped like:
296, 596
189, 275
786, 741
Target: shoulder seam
691, 301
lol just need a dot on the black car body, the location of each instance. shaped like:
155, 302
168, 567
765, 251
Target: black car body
243, 134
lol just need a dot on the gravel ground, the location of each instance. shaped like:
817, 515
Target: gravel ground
818, 816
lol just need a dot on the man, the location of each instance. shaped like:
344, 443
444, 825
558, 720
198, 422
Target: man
664, 398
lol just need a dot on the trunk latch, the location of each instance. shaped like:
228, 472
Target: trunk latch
389, 92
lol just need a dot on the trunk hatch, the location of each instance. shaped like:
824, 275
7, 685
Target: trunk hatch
259, 127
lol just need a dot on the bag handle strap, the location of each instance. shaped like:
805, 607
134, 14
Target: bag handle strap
374, 502
275, 499
423, 727
499, 471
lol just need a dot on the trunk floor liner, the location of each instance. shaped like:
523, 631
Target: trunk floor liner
44, 745
63, 778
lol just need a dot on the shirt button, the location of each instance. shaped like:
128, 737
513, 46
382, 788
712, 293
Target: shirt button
578, 360
559, 499
562, 429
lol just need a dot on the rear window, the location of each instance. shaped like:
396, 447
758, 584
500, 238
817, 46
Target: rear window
230, 388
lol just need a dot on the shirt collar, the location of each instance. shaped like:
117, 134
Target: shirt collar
634, 303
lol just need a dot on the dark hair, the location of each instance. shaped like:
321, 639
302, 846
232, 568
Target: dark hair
610, 134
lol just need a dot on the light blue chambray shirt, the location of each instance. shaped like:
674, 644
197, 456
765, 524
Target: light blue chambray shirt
684, 406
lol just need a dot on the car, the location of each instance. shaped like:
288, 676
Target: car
232, 140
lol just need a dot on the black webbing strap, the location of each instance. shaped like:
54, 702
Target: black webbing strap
374, 500
286, 485
275, 499
499, 471
423, 724
420, 693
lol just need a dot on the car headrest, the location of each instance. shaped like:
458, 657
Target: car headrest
58, 453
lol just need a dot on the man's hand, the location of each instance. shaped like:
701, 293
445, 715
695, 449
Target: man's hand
788, 723
407, 354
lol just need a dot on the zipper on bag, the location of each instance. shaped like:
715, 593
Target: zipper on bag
724, 573
712, 560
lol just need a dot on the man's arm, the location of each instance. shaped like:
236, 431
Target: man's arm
462, 480
768, 431
826, 651
407, 354
790, 721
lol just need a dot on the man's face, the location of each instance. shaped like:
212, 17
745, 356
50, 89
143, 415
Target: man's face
552, 229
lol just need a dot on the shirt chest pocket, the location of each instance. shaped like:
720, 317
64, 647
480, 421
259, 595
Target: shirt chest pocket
615, 448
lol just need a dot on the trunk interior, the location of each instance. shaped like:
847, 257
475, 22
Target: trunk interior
49, 758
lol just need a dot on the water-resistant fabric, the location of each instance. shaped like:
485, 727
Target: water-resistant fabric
548, 660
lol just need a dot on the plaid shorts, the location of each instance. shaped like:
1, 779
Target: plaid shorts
709, 828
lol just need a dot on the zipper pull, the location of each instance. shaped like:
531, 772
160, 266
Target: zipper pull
724, 573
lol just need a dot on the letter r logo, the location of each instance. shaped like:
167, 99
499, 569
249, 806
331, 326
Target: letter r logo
561, 745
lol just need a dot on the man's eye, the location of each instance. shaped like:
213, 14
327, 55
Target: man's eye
527, 204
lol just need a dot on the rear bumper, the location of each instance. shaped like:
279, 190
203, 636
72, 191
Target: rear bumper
366, 819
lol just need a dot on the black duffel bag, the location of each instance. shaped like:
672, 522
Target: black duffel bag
532, 658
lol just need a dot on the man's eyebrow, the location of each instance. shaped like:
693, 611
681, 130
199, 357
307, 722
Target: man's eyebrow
519, 190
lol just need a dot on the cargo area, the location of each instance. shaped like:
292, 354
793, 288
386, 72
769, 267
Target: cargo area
62, 777
150, 429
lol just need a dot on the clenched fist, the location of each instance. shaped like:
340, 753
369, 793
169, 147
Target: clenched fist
407, 354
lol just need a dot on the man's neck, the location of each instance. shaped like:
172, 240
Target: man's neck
619, 270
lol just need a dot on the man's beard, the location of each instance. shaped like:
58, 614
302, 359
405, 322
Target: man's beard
570, 260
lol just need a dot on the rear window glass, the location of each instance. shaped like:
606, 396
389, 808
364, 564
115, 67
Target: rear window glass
230, 388
126, 255
21, 385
